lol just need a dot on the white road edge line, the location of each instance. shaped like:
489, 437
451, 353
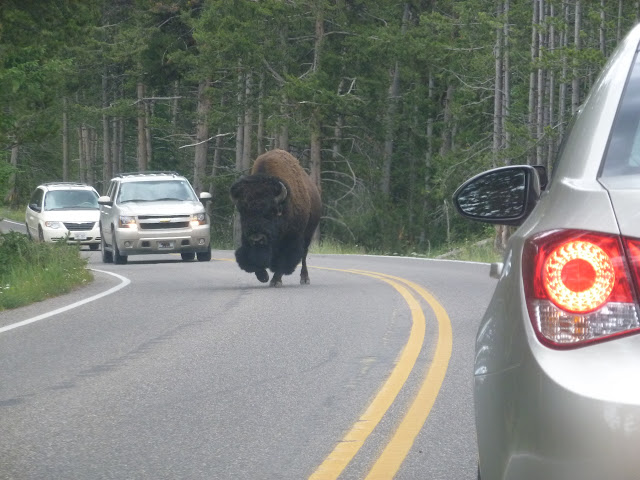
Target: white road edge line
11, 221
124, 282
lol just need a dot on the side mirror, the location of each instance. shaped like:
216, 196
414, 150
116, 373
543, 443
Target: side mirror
205, 197
34, 207
104, 200
504, 195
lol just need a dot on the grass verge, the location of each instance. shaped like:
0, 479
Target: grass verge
32, 271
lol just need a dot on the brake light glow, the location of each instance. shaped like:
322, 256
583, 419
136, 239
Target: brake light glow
579, 287
578, 276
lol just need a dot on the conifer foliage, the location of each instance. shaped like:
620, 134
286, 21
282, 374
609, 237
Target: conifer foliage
388, 105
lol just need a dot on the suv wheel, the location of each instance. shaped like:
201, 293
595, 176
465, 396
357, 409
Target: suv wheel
204, 256
40, 234
188, 256
107, 257
117, 258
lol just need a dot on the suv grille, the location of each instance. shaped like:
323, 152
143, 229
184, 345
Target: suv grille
147, 222
79, 226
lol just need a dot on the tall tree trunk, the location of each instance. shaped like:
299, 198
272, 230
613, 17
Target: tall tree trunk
65, 140
260, 132
107, 165
82, 153
237, 228
551, 142
533, 80
202, 136
240, 120
316, 122
506, 108
498, 100
447, 132
390, 114
427, 161
93, 157
175, 105
142, 137
11, 198
148, 114
562, 93
575, 83
541, 86
603, 43
248, 123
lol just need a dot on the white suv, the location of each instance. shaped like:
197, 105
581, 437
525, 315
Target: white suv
153, 212
64, 211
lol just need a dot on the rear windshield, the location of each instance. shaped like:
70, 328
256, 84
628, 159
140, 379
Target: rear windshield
623, 153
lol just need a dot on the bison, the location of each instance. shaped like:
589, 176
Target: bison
279, 208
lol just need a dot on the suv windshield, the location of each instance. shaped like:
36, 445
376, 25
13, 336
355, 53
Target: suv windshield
176, 190
71, 200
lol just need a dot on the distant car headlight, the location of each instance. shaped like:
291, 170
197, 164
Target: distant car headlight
127, 222
198, 219
53, 224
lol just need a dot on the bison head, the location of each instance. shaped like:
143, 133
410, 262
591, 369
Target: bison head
260, 200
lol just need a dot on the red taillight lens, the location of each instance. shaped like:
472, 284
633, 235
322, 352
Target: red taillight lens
578, 287
578, 276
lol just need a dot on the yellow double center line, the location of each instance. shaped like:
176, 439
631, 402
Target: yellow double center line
398, 447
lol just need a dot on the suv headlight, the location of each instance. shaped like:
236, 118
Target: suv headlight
127, 222
198, 219
53, 224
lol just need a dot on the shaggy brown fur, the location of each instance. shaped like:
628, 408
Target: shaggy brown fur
276, 233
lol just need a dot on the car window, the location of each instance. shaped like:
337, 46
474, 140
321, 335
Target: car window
71, 200
170, 190
623, 152
36, 199
112, 188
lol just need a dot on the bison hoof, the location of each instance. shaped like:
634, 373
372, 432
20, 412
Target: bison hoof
276, 284
304, 281
262, 275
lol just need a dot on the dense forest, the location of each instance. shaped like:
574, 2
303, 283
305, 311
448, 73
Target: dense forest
388, 105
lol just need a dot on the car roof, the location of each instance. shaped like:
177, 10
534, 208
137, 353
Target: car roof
66, 186
148, 176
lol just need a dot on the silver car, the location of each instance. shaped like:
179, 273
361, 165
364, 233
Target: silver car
153, 212
557, 366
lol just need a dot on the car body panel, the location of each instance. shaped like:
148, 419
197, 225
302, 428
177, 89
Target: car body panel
159, 226
78, 225
571, 413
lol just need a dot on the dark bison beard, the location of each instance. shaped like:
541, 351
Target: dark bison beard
253, 258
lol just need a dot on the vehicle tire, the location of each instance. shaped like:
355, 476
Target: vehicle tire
40, 234
94, 246
28, 232
187, 256
204, 256
107, 257
117, 258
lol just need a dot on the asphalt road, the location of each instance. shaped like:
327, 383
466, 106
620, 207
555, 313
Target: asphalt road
188, 370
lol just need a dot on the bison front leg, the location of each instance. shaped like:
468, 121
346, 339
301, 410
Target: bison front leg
276, 280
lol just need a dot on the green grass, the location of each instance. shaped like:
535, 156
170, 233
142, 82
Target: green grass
12, 214
472, 251
32, 271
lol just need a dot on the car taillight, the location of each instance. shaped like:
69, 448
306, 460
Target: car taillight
578, 287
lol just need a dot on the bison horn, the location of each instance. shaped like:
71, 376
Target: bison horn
282, 195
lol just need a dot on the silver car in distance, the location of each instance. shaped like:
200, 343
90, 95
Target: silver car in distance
557, 366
